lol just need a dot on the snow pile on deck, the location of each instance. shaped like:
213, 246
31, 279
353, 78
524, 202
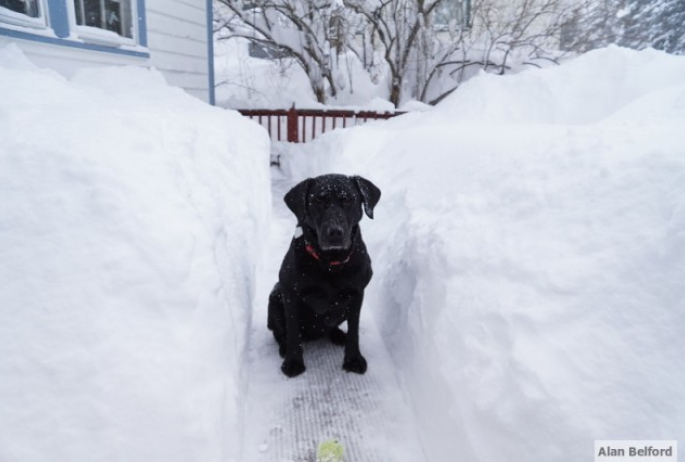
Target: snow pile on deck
247, 82
130, 215
529, 256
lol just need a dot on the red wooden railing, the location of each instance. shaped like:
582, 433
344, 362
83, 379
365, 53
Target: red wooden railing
302, 125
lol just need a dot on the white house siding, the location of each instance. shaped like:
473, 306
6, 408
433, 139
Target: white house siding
177, 38
67, 60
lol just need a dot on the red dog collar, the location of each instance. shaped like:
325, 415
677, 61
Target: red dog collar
311, 251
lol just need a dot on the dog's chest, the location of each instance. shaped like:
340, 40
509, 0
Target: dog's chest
329, 303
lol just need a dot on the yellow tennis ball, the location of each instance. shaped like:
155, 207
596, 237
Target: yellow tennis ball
330, 451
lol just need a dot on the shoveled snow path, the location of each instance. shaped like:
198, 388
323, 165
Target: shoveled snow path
285, 419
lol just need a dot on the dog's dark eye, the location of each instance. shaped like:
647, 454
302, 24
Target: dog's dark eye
321, 199
346, 199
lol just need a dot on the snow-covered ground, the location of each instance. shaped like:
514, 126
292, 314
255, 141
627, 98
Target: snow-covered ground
287, 418
529, 259
131, 216
529, 255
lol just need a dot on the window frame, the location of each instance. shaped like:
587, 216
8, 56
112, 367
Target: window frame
101, 36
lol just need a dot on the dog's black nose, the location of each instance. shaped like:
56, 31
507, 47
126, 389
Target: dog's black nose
335, 233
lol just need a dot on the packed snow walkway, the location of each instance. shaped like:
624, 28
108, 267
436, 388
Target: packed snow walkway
285, 419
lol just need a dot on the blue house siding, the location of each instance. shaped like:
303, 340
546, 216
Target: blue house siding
210, 51
142, 24
59, 17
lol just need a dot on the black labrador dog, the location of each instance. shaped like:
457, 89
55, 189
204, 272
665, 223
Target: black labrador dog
323, 275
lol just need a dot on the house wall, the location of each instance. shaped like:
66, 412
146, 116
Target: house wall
179, 39
175, 37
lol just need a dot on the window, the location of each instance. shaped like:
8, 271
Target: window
453, 14
27, 7
111, 15
112, 26
22, 13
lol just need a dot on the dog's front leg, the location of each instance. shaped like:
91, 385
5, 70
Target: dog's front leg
354, 361
293, 364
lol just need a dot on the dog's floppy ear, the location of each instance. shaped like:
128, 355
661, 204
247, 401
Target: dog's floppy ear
370, 194
296, 199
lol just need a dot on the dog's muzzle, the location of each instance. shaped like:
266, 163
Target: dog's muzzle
334, 236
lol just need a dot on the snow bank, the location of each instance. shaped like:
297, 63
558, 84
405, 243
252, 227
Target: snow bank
582, 91
529, 256
130, 215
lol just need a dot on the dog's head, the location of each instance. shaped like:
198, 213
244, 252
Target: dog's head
331, 206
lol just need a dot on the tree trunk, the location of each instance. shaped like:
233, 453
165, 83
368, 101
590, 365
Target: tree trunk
396, 91
320, 93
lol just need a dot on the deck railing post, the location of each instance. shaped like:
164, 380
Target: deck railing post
292, 125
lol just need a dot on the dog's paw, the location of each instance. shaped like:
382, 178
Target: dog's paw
293, 367
338, 337
355, 364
